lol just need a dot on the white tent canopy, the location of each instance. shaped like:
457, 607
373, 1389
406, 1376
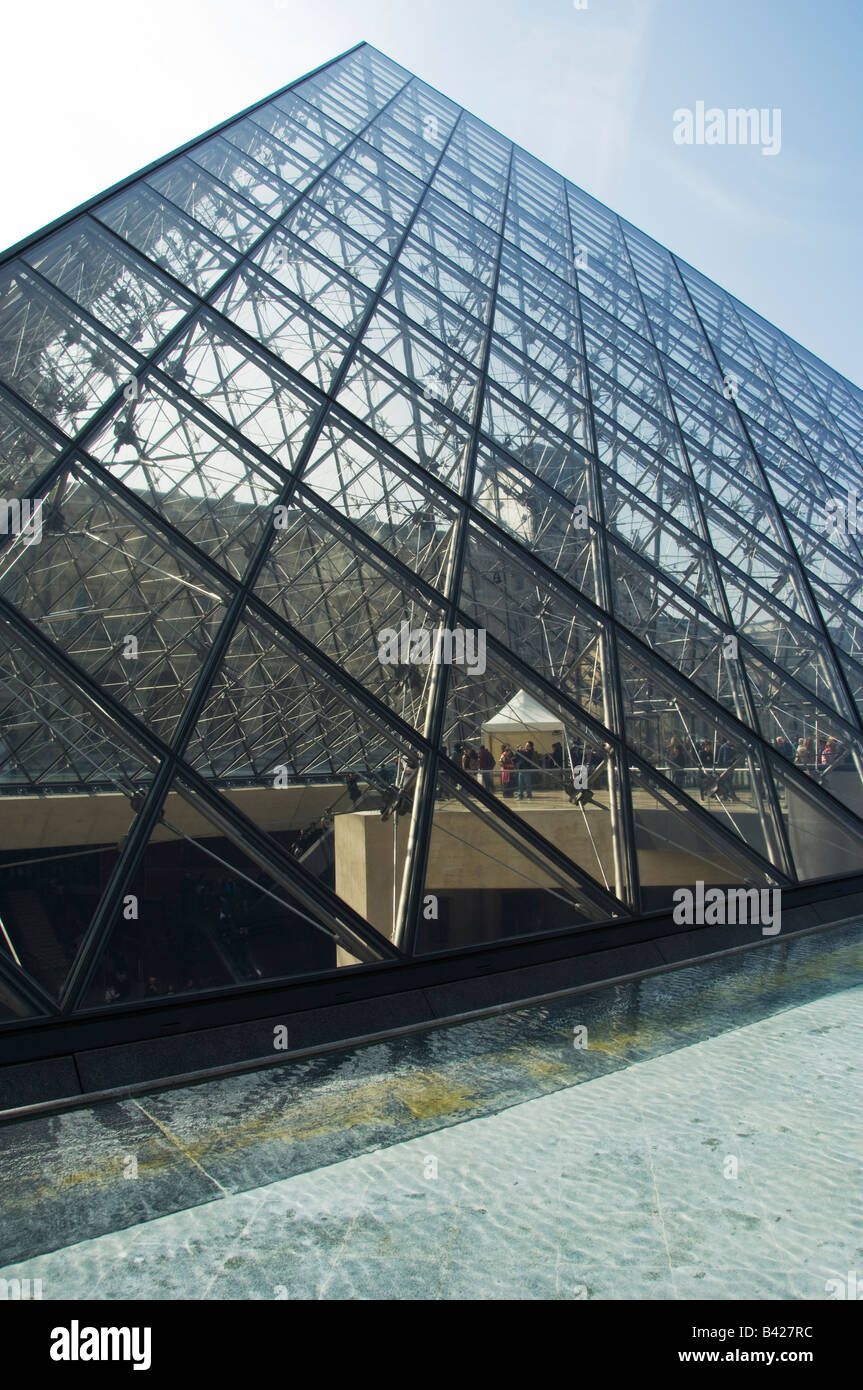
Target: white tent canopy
522, 715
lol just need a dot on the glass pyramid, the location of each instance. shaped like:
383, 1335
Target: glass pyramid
400, 552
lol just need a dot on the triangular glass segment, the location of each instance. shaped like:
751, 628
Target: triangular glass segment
15, 1006
27, 449
824, 842
197, 193
701, 753
212, 489
486, 882
246, 176
409, 414
52, 356
541, 760
661, 541
297, 750
110, 593
556, 529
646, 417
155, 227
757, 562
676, 850
122, 290
354, 608
50, 738
248, 389
831, 562
653, 477
552, 456
274, 704
798, 649
58, 850
543, 625
304, 339
200, 914
807, 732
377, 493
666, 621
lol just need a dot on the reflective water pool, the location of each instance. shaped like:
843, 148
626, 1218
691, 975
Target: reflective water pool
514, 1157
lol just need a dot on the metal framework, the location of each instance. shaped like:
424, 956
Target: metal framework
353, 361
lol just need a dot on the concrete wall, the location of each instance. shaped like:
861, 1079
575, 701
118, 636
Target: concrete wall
467, 854
42, 822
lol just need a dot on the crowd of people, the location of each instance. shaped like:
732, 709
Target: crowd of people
819, 754
705, 754
522, 769
816, 755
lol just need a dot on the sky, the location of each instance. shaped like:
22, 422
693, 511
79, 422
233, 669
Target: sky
98, 89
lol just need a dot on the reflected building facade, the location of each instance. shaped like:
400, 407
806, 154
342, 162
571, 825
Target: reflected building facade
354, 364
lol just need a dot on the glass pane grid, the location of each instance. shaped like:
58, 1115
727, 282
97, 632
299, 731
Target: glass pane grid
351, 423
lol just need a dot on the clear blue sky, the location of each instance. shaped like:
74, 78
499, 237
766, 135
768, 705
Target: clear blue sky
95, 90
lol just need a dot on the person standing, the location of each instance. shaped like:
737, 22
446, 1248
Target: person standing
676, 759
524, 764
507, 770
468, 760
805, 754
557, 764
485, 763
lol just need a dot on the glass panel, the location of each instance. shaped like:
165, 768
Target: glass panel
536, 445
353, 609
548, 766
485, 883
824, 842
337, 244
355, 212
210, 204
245, 175
661, 542
327, 778
246, 387
51, 356
202, 914
285, 166
316, 281
681, 633
544, 627
710, 761
58, 850
13, 1005
214, 491
26, 448
302, 338
115, 286
418, 357
109, 594
378, 493
559, 534
166, 236
807, 733
411, 418
675, 850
